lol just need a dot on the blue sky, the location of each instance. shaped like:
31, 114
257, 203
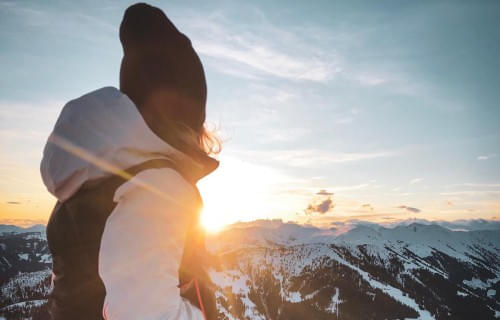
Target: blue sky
389, 105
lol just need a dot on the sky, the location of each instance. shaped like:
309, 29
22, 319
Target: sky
329, 110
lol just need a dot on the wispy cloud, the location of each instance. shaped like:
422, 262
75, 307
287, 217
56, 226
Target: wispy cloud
267, 60
371, 80
323, 192
411, 209
259, 49
416, 180
347, 117
308, 191
367, 206
475, 185
487, 157
309, 157
471, 193
63, 21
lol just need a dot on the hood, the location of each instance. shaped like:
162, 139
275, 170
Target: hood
100, 133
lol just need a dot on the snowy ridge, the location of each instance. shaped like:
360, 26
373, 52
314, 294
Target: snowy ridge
403, 272
11, 229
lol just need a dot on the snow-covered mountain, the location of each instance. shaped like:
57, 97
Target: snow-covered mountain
415, 271
276, 270
25, 264
10, 229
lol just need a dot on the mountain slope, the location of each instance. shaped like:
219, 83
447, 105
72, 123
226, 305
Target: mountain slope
415, 271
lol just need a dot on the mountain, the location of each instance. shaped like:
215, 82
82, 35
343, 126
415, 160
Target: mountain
413, 271
25, 264
11, 229
275, 270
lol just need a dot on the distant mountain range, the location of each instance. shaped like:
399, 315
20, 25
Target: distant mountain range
276, 270
8, 228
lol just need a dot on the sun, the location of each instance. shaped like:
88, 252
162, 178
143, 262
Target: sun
210, 223
237, 191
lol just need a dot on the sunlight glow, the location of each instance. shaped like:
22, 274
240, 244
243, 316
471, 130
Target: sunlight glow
237, 191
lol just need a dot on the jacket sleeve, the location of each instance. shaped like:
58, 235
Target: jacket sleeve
142, 247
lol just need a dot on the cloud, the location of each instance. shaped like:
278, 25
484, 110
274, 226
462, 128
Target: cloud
321, 207
259, 48
323, 192
321, 204
472, 193
347, 117
313, 157
370, 80
344, 120
13, 202
367, 206
487, 157
416, 180
411, 209
479, 185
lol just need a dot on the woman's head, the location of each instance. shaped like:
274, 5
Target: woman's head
162, 74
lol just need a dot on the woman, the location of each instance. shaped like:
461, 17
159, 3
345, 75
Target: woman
123, 164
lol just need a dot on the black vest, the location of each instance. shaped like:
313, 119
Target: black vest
74, 235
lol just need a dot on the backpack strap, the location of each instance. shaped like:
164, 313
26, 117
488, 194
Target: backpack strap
113, 181
155, 164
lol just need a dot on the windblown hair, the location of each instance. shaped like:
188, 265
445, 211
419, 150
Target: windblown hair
207, 141
196, 143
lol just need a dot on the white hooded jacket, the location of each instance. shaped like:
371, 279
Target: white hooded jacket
144, 236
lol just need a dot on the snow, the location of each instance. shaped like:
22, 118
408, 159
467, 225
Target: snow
37, 236
240, 285
491, 293
28, 280
238, 282
389, 290
423, 240
289, 248
311, 295
46, 258
334, 306
30, 303
294, 296
23, 256
476, 283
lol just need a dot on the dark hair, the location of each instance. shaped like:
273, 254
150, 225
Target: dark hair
158, 58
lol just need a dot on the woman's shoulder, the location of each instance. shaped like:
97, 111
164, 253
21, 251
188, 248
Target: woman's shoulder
160, 183
108, 97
